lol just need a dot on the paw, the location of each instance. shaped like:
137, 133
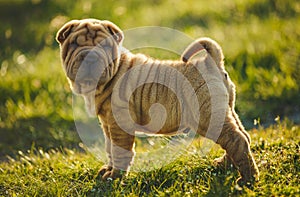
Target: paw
223, 162
248, 176
244, 182
111, 174
103, 170
248, 182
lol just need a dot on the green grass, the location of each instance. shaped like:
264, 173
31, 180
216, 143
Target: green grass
70, 173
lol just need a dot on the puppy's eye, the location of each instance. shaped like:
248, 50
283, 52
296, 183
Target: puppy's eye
73, 45
226, 77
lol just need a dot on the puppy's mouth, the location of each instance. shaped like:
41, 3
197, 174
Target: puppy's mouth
85, 87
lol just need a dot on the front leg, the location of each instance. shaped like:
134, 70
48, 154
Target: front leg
122, 151
108, 167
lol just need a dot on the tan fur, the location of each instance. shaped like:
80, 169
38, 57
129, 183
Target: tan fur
216, 53
112, 64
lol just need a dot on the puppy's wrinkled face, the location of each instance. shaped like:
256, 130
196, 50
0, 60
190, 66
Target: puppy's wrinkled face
89, 52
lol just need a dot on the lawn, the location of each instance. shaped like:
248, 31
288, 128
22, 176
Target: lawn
71, 173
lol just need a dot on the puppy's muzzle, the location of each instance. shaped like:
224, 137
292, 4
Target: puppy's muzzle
90, 65
90, 70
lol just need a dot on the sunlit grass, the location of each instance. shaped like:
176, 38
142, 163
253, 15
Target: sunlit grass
70, 173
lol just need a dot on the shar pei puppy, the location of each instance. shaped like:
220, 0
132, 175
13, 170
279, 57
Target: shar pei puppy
132, 92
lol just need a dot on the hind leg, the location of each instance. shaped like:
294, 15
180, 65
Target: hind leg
225, 161
237, 148
240, 125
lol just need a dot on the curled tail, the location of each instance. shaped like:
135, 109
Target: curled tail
211, 46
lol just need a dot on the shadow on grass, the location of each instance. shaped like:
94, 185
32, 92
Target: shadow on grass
37, 132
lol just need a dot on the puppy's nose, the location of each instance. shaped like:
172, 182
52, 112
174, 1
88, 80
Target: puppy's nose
90, 57
89, 64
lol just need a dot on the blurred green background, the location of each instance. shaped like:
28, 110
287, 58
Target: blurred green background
260, 40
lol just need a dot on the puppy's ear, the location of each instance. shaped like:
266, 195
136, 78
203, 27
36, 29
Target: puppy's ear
64, 32
115, 31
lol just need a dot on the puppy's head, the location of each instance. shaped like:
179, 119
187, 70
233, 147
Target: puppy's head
90, 51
